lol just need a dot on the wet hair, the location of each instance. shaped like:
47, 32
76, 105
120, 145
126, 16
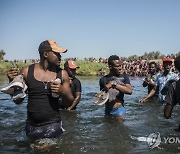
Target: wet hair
111, 58
153, 63
177, 63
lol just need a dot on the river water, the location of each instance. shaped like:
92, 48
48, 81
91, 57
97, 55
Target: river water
89, 131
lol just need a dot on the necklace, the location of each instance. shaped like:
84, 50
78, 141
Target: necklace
45, 84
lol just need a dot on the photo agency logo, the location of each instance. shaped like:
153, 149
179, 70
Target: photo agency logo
155, 139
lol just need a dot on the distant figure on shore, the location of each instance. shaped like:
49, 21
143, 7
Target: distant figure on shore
43, 118
75, 85
173, 95
149, 80
117, 85
101, 72
162, 80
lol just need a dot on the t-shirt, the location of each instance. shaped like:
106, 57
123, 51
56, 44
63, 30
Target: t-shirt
75, 86
161, 80
173, 94
114, 93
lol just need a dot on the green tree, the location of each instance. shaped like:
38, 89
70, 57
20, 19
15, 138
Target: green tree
178, 54
133, 57
156, 54
2, 53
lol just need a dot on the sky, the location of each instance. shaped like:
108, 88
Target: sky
89, 28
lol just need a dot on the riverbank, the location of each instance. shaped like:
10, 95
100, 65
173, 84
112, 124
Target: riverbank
87, 68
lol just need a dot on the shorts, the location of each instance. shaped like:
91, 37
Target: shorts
52, 130
120, 111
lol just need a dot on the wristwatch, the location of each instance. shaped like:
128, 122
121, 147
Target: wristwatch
114, 85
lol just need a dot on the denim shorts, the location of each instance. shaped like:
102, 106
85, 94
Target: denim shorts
52, 130
119, 111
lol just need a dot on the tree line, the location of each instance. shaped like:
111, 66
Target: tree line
147, 55
151, 56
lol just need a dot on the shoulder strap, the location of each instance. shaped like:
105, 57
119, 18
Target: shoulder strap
59, 75
30, 74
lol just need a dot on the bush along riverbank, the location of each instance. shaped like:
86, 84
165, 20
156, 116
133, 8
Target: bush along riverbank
91, 68
87, 68
5, 66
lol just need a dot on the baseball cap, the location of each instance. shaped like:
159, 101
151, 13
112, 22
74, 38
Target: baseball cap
167, 59
71, 64
50, 45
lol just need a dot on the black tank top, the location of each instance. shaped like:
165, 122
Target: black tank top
42, 108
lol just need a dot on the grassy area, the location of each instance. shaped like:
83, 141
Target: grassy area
86, 68
89, 68
5, 66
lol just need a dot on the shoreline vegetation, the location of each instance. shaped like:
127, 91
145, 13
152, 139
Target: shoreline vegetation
133, 65
87, 68
90, 67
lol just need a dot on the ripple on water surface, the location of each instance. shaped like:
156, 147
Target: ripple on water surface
88, 130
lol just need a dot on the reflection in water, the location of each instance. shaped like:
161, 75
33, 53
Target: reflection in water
88, 130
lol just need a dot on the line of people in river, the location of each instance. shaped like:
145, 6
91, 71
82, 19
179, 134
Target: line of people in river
164, 86
158, 82
43, 118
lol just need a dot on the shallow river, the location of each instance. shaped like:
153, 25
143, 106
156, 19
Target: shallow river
89, 131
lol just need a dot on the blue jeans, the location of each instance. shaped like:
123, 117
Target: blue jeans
120, 111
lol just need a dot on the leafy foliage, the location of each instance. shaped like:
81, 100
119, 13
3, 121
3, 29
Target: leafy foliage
2, 53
